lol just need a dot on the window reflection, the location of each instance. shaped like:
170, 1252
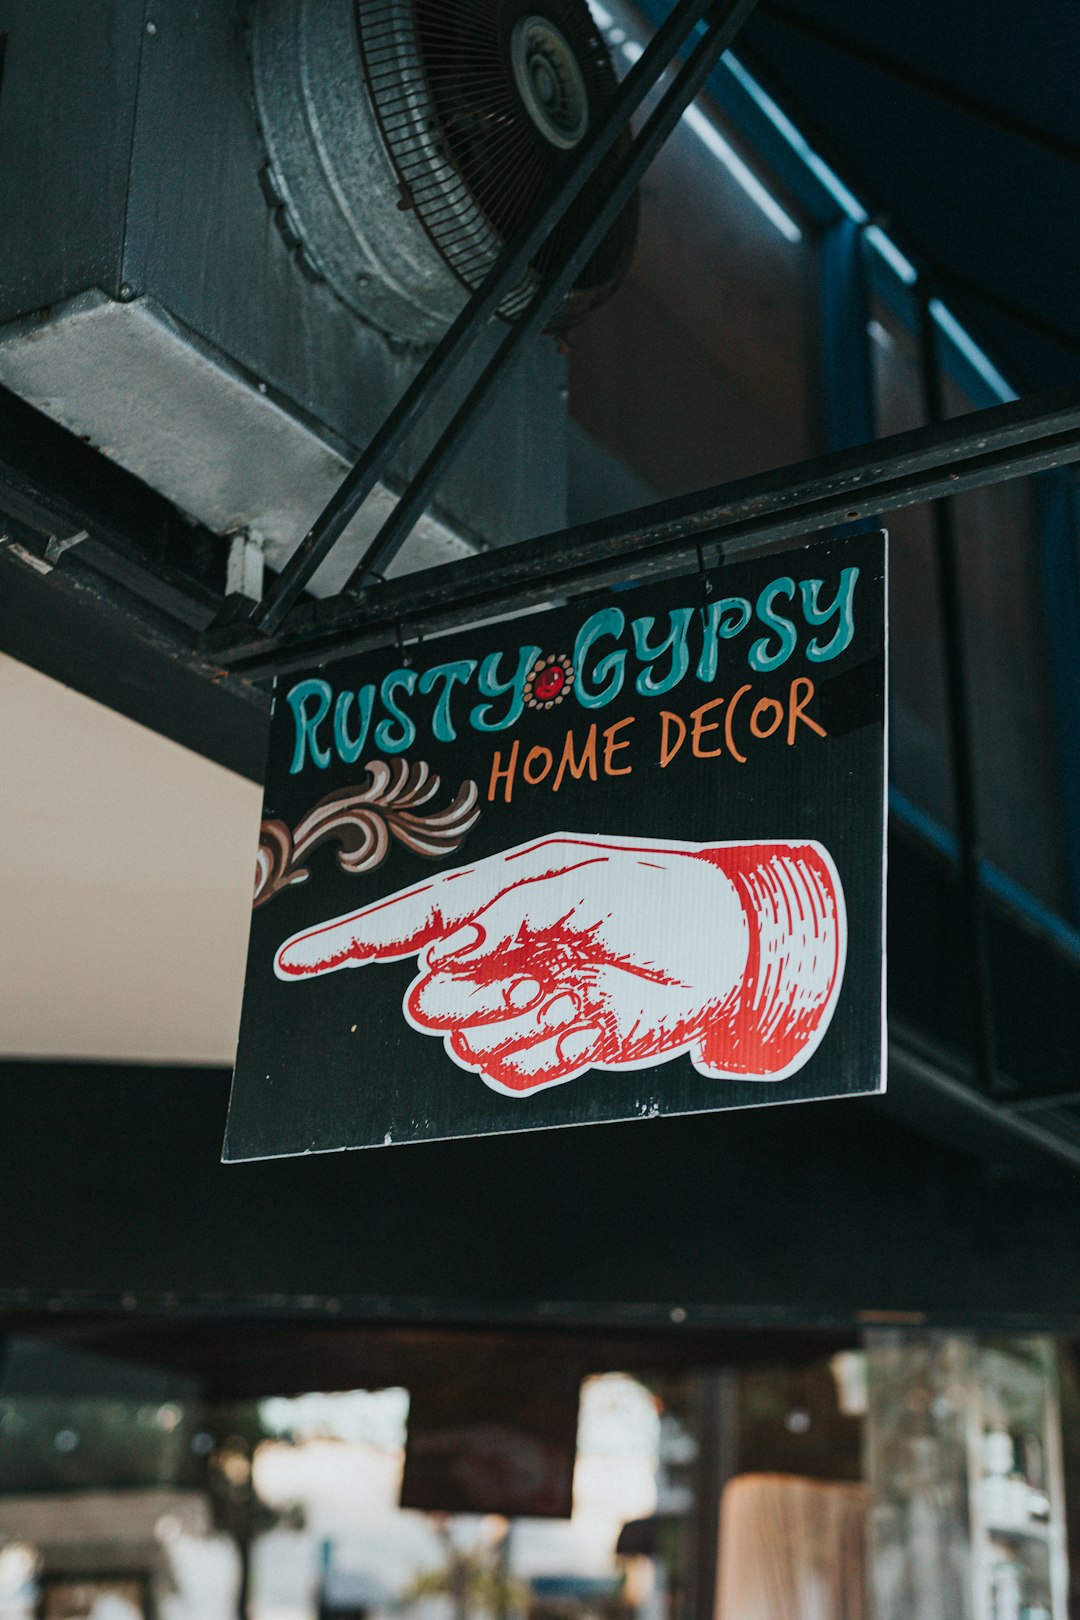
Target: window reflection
175, 1509
699, 1492
713, 326
1011, 709
1010, 699
918, 723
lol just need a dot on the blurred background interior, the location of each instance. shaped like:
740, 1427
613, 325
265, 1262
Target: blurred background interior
908, 1474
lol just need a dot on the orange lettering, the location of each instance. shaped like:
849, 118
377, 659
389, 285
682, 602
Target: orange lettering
544, 756
778, 712
797, 706
612, 747
498, 771
667, 720
700, 729
577, 767
729, 725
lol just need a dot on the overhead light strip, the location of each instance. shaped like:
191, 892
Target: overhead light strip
883, 244
973, 354
722, 149
873, 234
710, 137
797, 141
887, 248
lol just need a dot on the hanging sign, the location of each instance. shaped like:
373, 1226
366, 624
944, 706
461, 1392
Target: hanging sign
620, 859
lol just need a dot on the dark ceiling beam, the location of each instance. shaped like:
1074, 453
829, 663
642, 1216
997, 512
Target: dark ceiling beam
62, 500
802, 503
824, 1216
925, 1095
104, 586
952, 282
245, 1360
927, 83
115, 613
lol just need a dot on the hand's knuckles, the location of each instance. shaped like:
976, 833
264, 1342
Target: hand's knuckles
448, 1000
560, 1011
482, 1039
553, 1055
520, 1031
442, 999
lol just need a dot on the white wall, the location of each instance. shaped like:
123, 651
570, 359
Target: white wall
126, 869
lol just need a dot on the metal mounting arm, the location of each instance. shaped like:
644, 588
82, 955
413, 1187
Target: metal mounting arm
399, 525
803, 503
452, 349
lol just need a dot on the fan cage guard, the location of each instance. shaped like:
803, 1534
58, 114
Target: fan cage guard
471, 163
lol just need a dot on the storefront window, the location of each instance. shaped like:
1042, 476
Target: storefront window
143, 1505
784, 1484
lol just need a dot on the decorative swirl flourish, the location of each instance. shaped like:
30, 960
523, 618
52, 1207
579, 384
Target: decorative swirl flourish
361, 822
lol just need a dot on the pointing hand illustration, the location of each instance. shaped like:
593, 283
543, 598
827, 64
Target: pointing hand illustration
575, 952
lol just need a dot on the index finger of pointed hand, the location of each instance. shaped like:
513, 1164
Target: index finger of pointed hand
400, 925
403, 923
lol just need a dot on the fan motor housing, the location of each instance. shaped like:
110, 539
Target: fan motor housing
330, 176
408, 139
158, 298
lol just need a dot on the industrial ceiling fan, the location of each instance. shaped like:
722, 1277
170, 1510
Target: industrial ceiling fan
408, 139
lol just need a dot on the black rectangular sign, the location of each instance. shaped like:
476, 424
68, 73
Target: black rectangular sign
616, 860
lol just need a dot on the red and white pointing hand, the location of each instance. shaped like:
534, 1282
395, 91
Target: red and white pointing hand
573, 952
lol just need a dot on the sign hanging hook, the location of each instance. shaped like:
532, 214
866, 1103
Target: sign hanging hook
406, 653
706, 582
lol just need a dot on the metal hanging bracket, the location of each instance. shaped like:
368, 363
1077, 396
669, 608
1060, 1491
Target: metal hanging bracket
804, 503
722, 20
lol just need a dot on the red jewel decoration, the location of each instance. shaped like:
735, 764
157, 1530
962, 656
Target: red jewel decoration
550, 683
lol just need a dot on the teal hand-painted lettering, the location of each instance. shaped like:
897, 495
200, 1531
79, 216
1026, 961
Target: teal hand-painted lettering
760, 656
610, 669
491, 686
451, 675
648, 683
396, 733
349, 748
308, 718
725, 619
842, 608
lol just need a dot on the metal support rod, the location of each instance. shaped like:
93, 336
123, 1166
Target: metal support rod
802, 503
691, 77
457, 342
958, 720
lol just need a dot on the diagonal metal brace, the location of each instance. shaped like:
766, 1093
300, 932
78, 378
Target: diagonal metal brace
724, 23
448, 355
